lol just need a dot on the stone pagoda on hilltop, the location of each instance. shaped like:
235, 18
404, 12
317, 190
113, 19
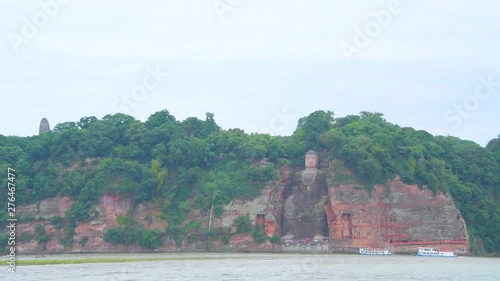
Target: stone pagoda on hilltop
44, 126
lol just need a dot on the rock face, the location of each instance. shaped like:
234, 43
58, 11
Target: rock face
46, 209
395, 215
263, 210
398, 216
41, 214
109, 207
44, 126
305, 204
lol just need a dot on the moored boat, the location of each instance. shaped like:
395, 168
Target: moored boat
432, 252
374, 251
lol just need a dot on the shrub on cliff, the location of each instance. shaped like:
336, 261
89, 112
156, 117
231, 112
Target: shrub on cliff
41, 234
258, 234
26, 237
226, 238
275, 239
83, 241
124, 221
177, 234
243, 224
57, 222
123, 235
150, 239
114, 236
131, 234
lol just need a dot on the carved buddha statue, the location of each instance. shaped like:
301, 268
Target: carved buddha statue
303, 212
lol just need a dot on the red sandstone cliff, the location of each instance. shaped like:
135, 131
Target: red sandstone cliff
396, 215
109, 207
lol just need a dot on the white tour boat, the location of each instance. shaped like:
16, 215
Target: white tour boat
431, 252
374, 251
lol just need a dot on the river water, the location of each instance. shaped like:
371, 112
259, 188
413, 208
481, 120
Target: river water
271, 267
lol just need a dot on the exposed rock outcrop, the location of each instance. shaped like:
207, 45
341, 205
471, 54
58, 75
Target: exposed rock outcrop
304, 204
396, 215
263, 210
109, 207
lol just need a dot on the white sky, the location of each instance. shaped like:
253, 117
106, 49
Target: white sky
260, 68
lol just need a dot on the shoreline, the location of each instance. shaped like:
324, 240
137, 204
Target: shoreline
55, 259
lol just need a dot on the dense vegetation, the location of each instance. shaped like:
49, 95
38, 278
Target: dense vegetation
180, 165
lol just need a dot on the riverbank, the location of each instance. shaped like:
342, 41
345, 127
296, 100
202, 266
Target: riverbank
119, 258
25, 260
45, 261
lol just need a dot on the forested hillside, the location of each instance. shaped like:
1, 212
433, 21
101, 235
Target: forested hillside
179, 165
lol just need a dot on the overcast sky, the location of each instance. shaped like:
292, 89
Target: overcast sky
258, 65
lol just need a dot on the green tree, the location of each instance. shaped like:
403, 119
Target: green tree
243, 224
41, 234
159, 174
83, 241
275, 239
158, 119
150, 239
314, 125
114, 236
86, 122
258, 234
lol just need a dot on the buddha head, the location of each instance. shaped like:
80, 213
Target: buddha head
311, 160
